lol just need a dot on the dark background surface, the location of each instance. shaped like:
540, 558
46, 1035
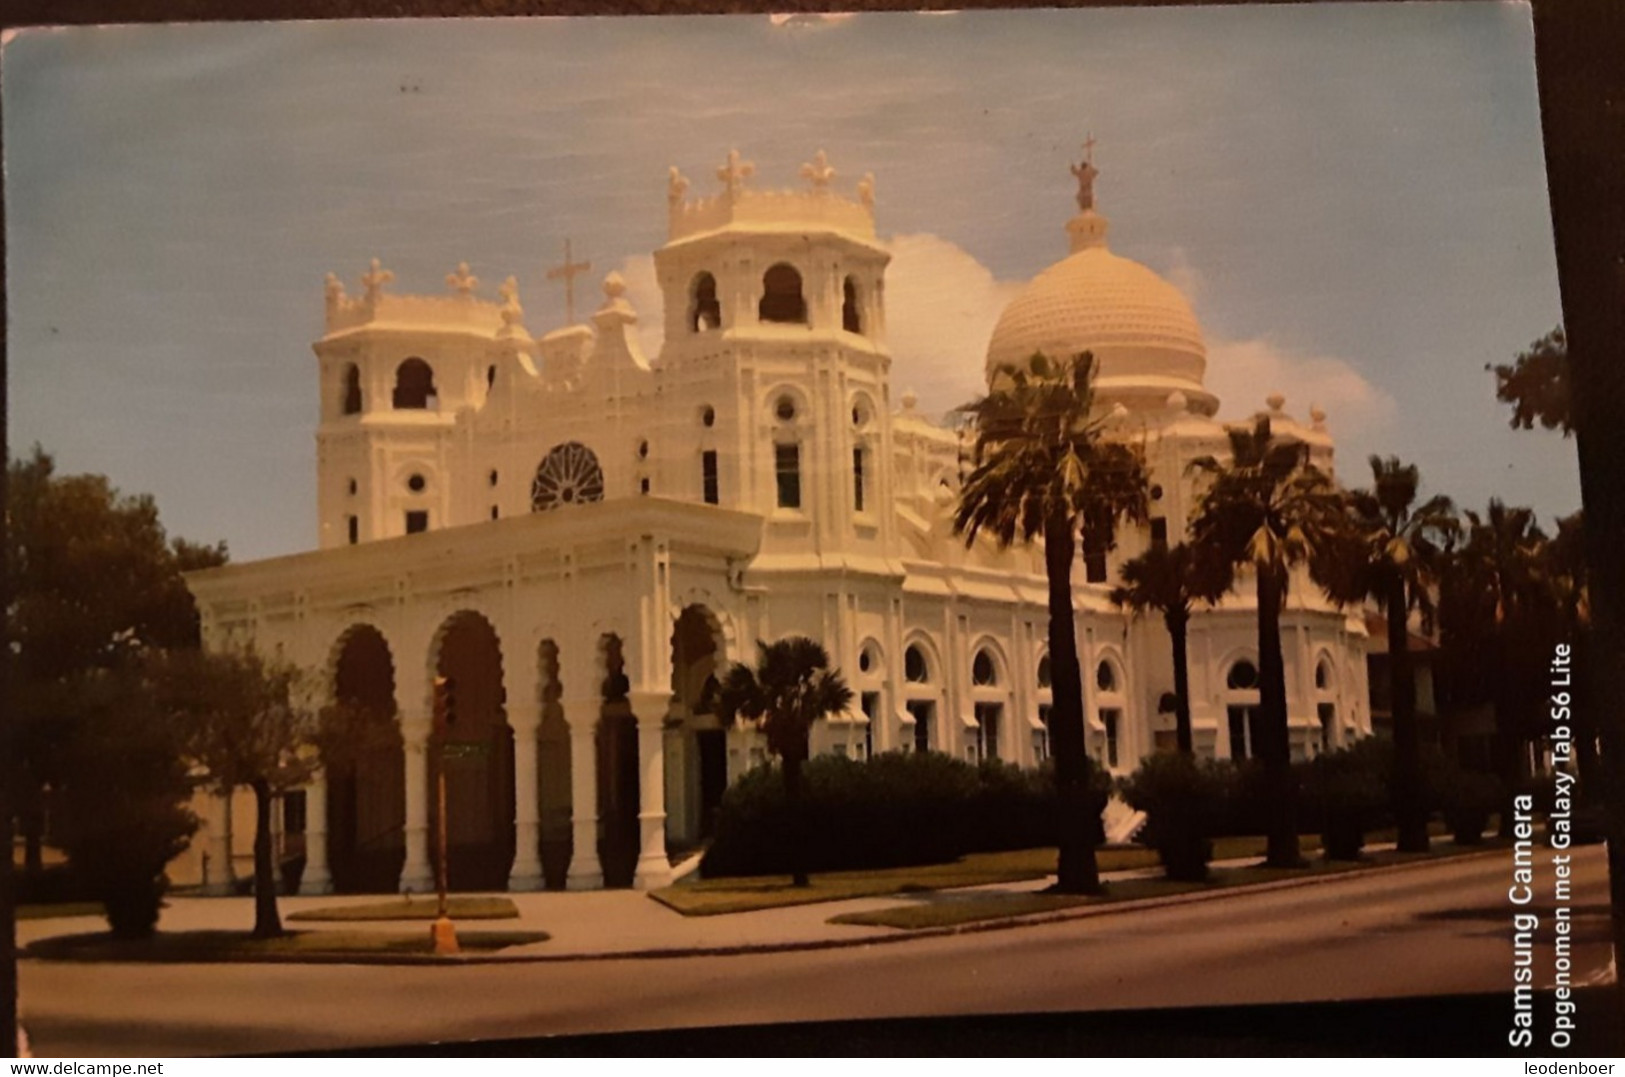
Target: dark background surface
1580, 53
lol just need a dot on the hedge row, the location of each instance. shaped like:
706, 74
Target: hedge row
892, 810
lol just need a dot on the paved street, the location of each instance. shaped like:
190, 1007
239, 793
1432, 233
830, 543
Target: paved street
1439, 929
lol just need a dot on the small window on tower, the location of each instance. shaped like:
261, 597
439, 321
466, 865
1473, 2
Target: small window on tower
709, 487
851, 313
353, 524
416, 484
352, 390
494, 512
704, 312
787, 468
708, 416
782, 300
1159, 531
643, 485
352, 487
857, 479
414, 386
417, 520
490, 377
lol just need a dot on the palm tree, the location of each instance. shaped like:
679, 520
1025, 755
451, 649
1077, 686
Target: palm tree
1500, 574
1170, 580
1042, 468
1270, 509
1395, 553
790, 689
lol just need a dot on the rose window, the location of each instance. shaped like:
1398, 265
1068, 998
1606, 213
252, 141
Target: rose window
569, 474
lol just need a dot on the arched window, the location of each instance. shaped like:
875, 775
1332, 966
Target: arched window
704, 312
915, 669
1044, 672
569, 474
1106, 677
414, 385
1243, 676
921, 707
851, 312
352, 390
984, 672
782, 300
1241, 709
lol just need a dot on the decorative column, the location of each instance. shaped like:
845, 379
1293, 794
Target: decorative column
217, 874
417, 876
317, 879
525, 718
582, 717
654, 869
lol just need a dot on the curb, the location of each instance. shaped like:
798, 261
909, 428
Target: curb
900, 935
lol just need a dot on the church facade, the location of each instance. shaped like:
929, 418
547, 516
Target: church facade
578, 537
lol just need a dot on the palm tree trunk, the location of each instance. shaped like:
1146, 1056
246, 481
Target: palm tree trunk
796, 810
1283, 849
1178, 621
1077, 833
267, 924
1410, 811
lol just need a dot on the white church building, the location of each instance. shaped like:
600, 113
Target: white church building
579, 536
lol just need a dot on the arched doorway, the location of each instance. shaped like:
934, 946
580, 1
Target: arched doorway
478, 758
366, 782
617, 772
553, 773
697, 750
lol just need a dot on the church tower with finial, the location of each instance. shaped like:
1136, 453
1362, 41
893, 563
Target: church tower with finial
395, 372
775, 327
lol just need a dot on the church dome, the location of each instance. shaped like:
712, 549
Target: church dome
1140, 329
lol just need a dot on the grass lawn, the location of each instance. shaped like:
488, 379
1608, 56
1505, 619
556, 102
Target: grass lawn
198, 946
459, 908
948, 909
55, 912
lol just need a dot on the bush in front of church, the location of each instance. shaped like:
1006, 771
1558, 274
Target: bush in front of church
893, 810
1184, 801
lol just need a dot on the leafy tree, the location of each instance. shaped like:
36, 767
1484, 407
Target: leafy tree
123, 812
1171, 580
1394, 555
1043, 469
791, 687
1270, 510
244, 725
1536, 384
94, 581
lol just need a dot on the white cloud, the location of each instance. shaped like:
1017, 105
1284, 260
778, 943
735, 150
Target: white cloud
1242, 373
941, 307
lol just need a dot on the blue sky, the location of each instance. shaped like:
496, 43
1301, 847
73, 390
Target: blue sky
1352, 196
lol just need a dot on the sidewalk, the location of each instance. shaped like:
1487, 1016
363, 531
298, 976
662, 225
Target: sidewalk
612, 923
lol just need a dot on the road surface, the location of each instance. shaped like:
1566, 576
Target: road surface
1440, 929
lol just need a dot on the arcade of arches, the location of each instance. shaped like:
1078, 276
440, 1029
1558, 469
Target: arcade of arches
555, 801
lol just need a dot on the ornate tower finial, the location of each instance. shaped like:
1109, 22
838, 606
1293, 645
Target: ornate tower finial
334, 289
676, 186
1086, 173
462, 282
734, 173
374, 279
568, 273
818, 173
866, 190
513, 314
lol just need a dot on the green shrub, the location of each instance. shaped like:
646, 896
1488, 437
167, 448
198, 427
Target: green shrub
1346, 793
892, 810
1183, 800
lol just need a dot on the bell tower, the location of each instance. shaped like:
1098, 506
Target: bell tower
775, 324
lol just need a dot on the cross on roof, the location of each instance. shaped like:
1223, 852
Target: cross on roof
818, 172
462, 282
735, 172
1089, 149
568, 273
374, 279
